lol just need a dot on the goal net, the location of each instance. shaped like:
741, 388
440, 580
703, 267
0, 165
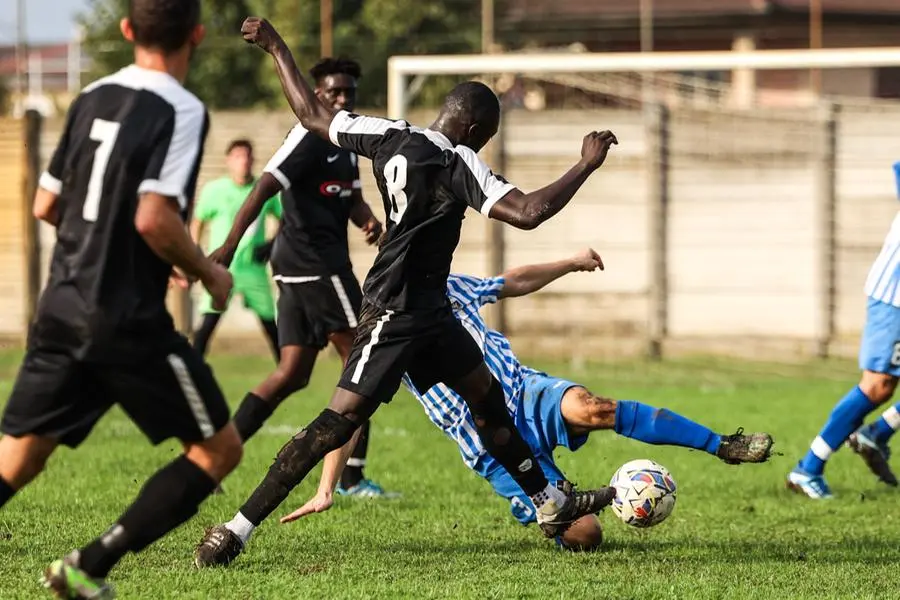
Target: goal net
740, 212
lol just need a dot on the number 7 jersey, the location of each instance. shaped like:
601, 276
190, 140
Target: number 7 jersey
134, 132
426, 184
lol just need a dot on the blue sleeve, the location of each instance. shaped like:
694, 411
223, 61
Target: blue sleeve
475, 290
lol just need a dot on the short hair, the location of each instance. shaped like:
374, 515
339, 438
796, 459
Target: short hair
163, 24
335, 66
473, 100
239, 143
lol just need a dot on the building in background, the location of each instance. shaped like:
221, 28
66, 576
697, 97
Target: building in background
51, 76
740, 25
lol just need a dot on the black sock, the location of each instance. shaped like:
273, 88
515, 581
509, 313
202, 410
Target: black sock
168, 499
204, 333
353, 472
251, 415
501, 439
271, 330
6, 492
295, 460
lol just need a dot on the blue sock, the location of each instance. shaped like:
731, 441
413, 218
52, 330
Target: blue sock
661, 426
847, 416
884, 426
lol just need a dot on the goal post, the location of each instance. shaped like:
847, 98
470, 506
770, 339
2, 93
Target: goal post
400, 68
737, 222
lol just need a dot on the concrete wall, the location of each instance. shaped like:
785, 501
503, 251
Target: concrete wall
742, 219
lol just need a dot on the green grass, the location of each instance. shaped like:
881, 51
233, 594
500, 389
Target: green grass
735, 533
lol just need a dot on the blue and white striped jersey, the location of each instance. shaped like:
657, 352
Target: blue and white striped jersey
443, 406
883, 282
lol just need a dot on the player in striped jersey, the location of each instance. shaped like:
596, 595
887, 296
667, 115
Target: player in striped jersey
879, 360
549, 412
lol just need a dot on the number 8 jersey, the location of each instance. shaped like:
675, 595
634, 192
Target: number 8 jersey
133, 132
426, 184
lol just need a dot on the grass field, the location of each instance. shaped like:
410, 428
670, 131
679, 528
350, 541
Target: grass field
735, 533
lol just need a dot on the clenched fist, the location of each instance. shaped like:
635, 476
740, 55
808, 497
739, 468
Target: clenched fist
260, 32
595, 146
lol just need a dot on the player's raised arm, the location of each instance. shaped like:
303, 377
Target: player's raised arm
314, 115
527, 211
521, 281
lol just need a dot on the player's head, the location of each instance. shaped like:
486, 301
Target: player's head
239, 160
470, 115
170, 28
336, 80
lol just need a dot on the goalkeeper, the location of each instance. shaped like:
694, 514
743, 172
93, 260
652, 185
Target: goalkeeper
220, 201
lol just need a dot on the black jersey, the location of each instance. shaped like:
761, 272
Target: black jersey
426, 184
132, 132
318, 181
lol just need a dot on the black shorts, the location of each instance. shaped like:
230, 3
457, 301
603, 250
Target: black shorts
309, 311
168, 391
431, 346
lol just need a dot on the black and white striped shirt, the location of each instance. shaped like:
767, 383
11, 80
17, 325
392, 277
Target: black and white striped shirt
426, 185
133, 132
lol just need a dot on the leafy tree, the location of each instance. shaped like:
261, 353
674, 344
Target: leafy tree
228, 74
224, 74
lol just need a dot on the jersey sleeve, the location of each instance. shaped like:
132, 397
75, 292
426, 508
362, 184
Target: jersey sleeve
294, 159
474, 183
475, 291
361, 134
205, 208
51, 179
174, 166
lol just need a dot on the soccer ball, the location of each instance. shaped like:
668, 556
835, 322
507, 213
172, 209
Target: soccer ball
645, 493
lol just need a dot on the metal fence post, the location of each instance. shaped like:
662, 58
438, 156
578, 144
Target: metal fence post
658, 124
825, 205
31, 239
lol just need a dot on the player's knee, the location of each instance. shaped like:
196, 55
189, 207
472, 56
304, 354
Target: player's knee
219, 455
595, 412
585, 535
878, 387
291, 378
23, 458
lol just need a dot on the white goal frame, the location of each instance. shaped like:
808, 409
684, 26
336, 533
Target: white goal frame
400, 68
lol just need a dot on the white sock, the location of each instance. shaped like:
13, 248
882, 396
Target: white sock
241, 527
551, 492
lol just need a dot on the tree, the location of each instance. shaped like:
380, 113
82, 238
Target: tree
383, 28
224, 73
228, 74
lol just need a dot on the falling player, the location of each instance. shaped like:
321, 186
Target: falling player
117, 190
319, 297
550, 412
427, 177
879, 360
217, 208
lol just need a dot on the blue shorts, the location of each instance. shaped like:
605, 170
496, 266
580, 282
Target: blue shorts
879, 350
539, 418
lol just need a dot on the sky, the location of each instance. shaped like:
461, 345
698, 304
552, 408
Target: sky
45, 20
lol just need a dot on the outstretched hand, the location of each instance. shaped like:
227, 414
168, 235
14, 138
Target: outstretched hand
321, 502
260, 32
587, 260
595, 147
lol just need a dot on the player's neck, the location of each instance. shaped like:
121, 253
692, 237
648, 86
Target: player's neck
242, 180
154, 60
446, 129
